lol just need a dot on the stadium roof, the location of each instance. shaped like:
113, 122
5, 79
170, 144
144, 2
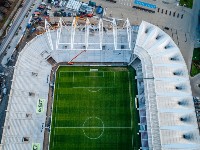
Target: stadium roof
171, 117
171, 120
26, 112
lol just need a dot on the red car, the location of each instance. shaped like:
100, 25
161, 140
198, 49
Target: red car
86, 15
89, 15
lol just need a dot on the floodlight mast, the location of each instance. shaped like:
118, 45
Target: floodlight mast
73, 32
115, 33
47, 28
87, 24
59, 30
128, 28
101, 33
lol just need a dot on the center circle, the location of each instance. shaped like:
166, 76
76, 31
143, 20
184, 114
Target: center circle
93, 128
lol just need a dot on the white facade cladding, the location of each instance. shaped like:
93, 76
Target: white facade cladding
170, 113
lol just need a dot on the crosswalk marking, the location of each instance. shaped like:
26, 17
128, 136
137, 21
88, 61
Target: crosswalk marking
126, 2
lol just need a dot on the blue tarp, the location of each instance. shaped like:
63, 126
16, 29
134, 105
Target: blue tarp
28, 25
99, 10
144, 4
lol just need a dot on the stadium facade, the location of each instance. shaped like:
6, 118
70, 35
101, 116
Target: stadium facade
167, 115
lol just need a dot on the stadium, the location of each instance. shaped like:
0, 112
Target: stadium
99, 86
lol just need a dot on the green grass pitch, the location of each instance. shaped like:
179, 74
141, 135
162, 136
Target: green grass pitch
94, 109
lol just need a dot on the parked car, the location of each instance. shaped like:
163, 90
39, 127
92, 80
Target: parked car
64, 14
89, 15
48, 8
57, 14
69, 14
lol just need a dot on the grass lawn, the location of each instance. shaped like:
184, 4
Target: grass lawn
188, 3
94, 109
195, 69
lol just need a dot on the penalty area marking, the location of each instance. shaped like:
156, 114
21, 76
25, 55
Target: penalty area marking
94, 90
92, 87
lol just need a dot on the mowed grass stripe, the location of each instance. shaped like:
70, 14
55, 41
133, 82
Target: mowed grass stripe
80, 95
114, 139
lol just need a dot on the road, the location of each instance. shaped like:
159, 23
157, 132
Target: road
15, 25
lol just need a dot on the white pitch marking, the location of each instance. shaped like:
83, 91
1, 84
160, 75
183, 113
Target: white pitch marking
73, 77
94, 127
53, 138
114, 78
93, 76
88, 136
93, 90
130, 103
94, 87
85, 71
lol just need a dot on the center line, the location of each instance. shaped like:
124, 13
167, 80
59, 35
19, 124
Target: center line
96, 127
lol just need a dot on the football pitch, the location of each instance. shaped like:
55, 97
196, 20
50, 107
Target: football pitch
94, 109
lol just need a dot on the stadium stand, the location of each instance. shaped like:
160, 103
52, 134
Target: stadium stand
23, 125
165, 96
167, 115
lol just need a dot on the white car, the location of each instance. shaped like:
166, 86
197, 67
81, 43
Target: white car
48, 8
63, 4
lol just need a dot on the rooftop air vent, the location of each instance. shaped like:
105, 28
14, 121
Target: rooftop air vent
185, 119
34, 74
183, 103
175, 58
25, 139
31, 94
179, 87
167, 46
147, 30
188, 136
28, 115
178, 73
158, 37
